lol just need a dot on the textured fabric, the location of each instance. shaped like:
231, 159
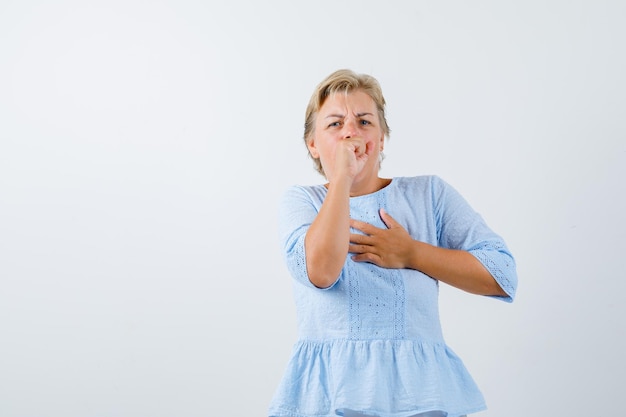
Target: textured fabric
372, 342
350, 413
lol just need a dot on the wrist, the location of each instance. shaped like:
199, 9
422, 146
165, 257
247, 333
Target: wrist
415, 255
340, 181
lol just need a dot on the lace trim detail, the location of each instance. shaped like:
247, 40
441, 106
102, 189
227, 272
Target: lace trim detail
500, 265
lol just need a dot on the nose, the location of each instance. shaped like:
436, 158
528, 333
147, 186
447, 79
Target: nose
349, 128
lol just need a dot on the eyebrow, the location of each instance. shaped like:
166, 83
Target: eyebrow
341, 116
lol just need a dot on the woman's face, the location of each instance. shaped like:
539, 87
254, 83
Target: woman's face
352, 115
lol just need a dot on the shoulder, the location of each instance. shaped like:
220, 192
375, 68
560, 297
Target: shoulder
427, 188
304, 190
303, 194
420, 182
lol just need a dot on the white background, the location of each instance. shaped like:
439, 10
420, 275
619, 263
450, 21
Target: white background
144, 146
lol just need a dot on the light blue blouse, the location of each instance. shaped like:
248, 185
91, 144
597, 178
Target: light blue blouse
372, 342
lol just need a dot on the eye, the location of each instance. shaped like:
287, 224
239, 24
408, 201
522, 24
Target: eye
365, 122
335, 124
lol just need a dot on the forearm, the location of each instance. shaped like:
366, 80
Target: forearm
454, 267
328, 238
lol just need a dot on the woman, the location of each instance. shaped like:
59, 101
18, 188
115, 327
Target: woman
367, 254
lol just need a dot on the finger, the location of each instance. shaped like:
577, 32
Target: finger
363, 226
356, 144
360, 239
389, 221
366, 257
356, 248
362, 154
361, 148
362, 249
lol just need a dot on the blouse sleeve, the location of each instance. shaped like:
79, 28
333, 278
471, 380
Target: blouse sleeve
296, 213
460, 227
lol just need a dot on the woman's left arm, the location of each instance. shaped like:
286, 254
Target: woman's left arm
395, 248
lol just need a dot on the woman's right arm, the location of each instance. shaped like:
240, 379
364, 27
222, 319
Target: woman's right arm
328, 238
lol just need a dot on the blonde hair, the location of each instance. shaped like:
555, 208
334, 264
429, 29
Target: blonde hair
342, 81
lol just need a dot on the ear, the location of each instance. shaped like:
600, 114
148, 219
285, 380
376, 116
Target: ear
312, 149
382, 142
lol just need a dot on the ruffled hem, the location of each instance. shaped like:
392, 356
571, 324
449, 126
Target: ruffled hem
385, 378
